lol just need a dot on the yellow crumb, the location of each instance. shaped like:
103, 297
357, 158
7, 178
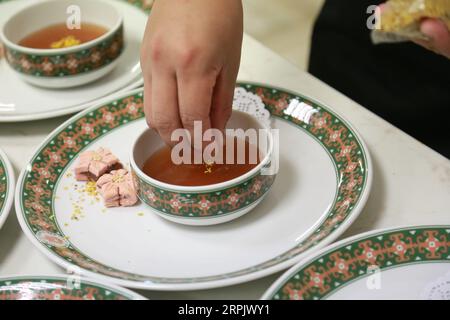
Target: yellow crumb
65, 42
208, 167
91, 188
77, 212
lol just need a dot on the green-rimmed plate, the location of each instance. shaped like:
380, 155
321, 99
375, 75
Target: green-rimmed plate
61, 288
7, 182
403, 263
322, 186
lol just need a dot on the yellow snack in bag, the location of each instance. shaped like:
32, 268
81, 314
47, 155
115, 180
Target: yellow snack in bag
400, 19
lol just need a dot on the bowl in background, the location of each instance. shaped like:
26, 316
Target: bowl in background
64, 67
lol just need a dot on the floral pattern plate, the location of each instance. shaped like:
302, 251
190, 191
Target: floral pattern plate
322, 186
403, 263
61, 288
21, 101
7, 182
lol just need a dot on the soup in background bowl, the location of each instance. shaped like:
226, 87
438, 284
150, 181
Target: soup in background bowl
71, 61
58, 36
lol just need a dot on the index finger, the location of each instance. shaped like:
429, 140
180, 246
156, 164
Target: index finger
194, 100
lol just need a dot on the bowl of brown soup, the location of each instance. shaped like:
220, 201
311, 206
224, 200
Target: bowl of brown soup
207, 190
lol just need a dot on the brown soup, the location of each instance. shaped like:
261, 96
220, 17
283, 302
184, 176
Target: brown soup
59, 36
161, 167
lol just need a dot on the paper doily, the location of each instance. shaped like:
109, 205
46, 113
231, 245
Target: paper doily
252, 104
438, 290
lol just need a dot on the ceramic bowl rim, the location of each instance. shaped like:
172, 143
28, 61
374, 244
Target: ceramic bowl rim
54, 52
206, 188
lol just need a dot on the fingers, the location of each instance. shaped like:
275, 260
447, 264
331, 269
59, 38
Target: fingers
382, 7
146, 74
222, 101
194, 99
439, 36
148, 100
164, 106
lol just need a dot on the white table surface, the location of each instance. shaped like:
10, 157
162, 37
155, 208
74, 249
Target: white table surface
411, 184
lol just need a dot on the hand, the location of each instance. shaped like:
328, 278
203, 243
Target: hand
439, 36
190, 59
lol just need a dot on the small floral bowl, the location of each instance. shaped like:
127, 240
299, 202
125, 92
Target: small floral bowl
70, 66
203, 205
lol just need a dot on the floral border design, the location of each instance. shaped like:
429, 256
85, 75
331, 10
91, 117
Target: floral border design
335, 268
37, 185
204, 205
54, 289
3, 185
74, 63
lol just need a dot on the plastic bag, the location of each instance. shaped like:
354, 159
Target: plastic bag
400, 19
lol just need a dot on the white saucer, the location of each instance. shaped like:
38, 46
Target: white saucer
323, 183
408, 263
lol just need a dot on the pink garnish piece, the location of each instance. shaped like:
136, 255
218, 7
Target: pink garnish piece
117, 189
93, 164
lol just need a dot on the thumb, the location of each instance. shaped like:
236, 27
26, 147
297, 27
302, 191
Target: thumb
439, 36
222, 101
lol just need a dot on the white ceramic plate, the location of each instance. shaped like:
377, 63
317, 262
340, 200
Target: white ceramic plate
402, 263
7, 183
20, 101
322, 186
61, 288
